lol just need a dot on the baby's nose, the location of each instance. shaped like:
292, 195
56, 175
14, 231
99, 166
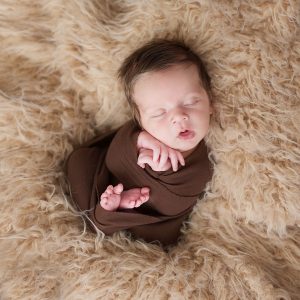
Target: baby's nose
179, 117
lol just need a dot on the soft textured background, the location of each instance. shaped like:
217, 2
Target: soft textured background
58, 89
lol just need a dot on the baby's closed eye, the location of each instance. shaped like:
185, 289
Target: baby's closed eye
191, 103
160, 114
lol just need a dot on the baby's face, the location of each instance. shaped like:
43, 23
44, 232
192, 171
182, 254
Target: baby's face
172, 101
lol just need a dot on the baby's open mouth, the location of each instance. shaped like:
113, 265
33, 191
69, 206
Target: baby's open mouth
186, 134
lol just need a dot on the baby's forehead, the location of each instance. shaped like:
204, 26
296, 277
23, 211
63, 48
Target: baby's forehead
177, 67
172, 85
190, 71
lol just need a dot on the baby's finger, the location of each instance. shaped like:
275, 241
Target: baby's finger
173, 159
180, 158
139, 162
145, 160
141, 165
164, 155
156, 152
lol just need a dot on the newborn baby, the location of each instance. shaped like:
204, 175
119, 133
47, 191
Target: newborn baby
146, 176
167, 87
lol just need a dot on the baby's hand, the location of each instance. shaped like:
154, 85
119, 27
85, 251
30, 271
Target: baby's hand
161, 152
146, 157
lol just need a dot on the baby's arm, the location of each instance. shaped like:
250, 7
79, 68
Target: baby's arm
162, 155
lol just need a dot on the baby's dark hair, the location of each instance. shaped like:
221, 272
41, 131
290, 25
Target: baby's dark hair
157, 55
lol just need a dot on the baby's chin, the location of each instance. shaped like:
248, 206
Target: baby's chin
184, 147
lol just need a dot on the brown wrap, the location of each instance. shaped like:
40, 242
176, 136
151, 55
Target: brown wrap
112, 158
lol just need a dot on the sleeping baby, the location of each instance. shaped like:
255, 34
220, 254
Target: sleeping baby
146, 176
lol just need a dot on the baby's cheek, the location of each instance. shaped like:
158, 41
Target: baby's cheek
162, 128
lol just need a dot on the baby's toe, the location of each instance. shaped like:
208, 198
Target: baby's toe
145, 190
131, 204
138, 203
104, 203
146, 198
109, 191
106, 194
118, 188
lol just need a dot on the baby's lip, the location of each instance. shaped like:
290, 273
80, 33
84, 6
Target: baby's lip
183, 130
186, 134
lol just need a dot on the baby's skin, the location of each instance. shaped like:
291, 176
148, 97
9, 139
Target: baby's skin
114, 197
152, 152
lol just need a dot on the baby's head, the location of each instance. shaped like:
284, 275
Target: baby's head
168, 89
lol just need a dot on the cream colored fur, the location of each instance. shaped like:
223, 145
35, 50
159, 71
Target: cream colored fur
58, 88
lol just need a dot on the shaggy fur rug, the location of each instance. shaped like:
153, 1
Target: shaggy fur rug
58, 89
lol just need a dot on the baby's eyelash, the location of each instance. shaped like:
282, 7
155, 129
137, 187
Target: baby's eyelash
192, 103
158, 115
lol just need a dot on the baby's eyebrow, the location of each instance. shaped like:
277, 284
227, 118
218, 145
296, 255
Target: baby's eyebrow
153, 109
148, 109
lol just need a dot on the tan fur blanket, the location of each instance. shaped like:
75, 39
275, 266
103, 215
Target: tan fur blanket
58, 89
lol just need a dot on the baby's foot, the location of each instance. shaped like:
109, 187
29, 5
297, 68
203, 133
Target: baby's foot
134, 197
110, 199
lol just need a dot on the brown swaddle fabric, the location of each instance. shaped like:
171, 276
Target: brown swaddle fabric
112, 159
